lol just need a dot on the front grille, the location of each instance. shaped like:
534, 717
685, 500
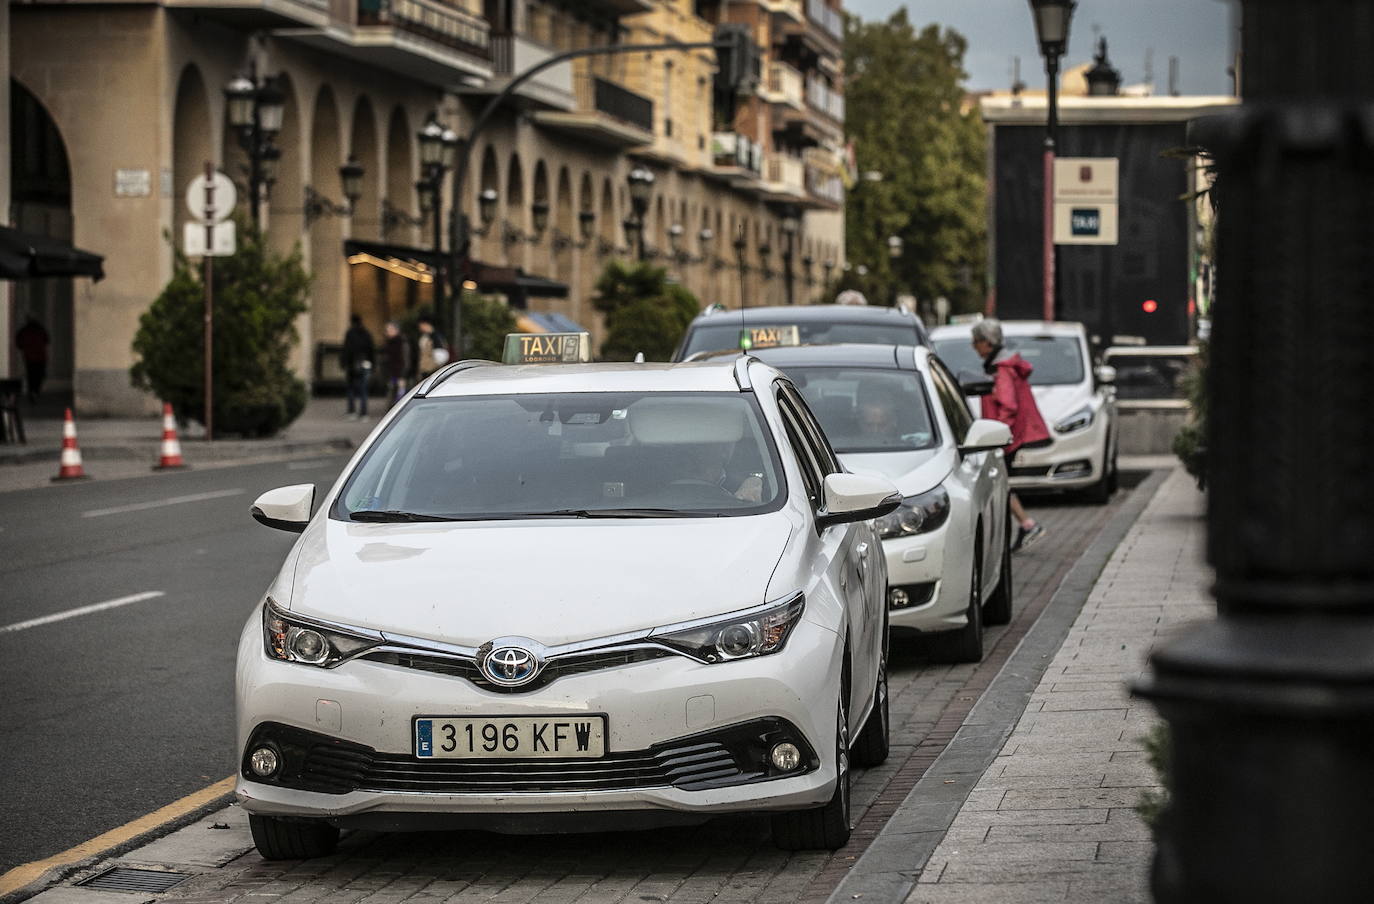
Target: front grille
1031, 471
557, 668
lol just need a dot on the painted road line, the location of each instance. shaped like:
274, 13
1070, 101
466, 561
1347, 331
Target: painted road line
26, 873
159, 503
84, 610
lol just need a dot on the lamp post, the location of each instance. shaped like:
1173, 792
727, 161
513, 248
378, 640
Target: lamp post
438, 152
741, 246
790, 227
1052, 19
351, 179
255, 110
1269, 706
641, 181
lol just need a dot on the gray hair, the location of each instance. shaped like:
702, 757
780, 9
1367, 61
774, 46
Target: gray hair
989, 331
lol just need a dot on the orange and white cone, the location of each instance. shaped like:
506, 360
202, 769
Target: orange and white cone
69, 467
171, 446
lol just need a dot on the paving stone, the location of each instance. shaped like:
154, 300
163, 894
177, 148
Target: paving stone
1002, 893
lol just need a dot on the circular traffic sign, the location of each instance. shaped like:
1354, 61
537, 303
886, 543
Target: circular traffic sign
225, 197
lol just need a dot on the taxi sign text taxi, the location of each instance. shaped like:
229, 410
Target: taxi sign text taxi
547, 348
769, 336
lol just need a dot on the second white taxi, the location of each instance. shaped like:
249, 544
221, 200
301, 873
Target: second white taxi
569, 597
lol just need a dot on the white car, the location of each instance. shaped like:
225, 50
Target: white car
570, 596
896, 411
1076, 400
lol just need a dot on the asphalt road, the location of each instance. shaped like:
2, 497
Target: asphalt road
108, 715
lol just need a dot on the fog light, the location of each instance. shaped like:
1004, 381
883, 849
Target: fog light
897, 598
785, 757
264, 762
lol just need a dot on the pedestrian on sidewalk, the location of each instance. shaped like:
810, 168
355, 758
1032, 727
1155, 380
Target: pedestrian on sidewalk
395, 362
430, 351
1011, 402
358, 357
33, 343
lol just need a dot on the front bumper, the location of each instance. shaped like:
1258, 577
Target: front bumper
673, 736
918, 564
1069, 462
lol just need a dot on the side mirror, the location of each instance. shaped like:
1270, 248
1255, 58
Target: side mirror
1105, 373
285, 508
856, 497
985, 434
975, 383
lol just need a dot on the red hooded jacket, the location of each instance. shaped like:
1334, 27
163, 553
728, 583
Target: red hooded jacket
1012, 402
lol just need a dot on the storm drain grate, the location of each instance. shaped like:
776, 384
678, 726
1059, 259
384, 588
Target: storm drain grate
123, 878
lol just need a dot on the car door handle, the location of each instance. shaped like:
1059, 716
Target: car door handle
863, 550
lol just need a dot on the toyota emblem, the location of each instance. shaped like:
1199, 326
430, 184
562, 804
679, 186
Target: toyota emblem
510, 666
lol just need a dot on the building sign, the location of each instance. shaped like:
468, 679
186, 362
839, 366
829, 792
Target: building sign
769, 336
1085, 200
547, 348
133, 183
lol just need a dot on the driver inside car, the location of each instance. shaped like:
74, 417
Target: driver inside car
705, 464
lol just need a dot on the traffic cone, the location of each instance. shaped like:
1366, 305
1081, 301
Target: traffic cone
70, 464
171, 446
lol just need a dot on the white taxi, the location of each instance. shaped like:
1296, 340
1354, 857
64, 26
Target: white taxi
570, 596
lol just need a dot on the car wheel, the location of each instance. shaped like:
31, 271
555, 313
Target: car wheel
1101, 492
997, 610
823, 828
1114, 475
284, 839
871, 746
966, 644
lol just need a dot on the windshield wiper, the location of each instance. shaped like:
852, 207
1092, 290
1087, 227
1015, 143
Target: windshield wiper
628, 513
392, 515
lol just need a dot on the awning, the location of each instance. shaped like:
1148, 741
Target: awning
546, 322
27, 256
389, 251
510, 281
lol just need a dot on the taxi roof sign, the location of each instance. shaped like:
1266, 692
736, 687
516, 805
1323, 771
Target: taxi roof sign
753, 337
547, 348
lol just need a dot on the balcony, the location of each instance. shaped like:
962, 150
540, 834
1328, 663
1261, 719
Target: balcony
784, 178
606, 113
784, 85
791, 9
511, 55
824, 187
736, 160
830, 21
823, 99
260, 14
428, 40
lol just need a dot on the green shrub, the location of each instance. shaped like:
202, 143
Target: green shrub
1190, 444
1152, 803
258, 295
644, 311
486, 321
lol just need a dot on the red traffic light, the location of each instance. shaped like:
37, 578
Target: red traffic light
1150, 306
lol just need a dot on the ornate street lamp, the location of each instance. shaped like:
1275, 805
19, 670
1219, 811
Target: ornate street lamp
351, 179
539, 215
1052, 18
486, 210
255, 110
641, 181
790, 227
586, 225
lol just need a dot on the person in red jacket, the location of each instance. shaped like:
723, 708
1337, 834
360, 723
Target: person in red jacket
1011, 402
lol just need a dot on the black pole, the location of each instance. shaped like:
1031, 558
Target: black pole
1051, 250
436, 181
1271, 708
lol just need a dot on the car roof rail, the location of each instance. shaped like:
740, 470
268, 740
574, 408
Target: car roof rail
742, 373
432, 381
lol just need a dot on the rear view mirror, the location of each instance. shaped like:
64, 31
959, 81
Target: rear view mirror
975, 383
856, 497
285, 508
985, 434
1105, 373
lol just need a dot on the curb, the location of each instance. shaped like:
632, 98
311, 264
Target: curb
889, 869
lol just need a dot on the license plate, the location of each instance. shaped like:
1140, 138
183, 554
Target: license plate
511, 737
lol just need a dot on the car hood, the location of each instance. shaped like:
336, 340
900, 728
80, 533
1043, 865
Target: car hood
552, 581
1058, 401
912, 472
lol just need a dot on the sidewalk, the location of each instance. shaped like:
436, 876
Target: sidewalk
128, 447
1052, 814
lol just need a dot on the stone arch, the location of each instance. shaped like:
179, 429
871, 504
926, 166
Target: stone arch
192, 145
284, 200
363, 145
328, 308
400, 187
514, 209
564, 220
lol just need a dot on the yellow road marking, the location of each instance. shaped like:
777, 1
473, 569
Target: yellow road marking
22, 875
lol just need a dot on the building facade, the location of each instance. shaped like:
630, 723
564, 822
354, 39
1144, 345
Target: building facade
746, 199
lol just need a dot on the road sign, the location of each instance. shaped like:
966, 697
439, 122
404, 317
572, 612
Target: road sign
225, 197
1085, 179
1085, 224
223, 242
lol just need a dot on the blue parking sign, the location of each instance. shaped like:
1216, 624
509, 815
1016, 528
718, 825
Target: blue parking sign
1085, 221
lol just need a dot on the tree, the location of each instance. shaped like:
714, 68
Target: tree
644, 311
486, 321
911, 122
258, 295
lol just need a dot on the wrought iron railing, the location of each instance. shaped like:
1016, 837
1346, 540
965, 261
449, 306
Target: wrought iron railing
434, 19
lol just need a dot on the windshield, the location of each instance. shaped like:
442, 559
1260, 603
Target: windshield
711, 337
568, 455
1152, 377
1056, 359
866, 409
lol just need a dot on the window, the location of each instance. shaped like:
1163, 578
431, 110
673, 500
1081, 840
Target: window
869, 409
951, 400
806, 459
825, 456
1056, 360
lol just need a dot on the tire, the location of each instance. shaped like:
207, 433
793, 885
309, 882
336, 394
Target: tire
823, 828
1101, 492
997, 610
966, 644
871, 746
282, 839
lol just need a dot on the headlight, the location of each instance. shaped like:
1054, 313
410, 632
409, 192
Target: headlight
736, 638
1079, 420
292, 640
916, 515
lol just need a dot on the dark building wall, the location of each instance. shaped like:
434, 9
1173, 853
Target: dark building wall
1104, 286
